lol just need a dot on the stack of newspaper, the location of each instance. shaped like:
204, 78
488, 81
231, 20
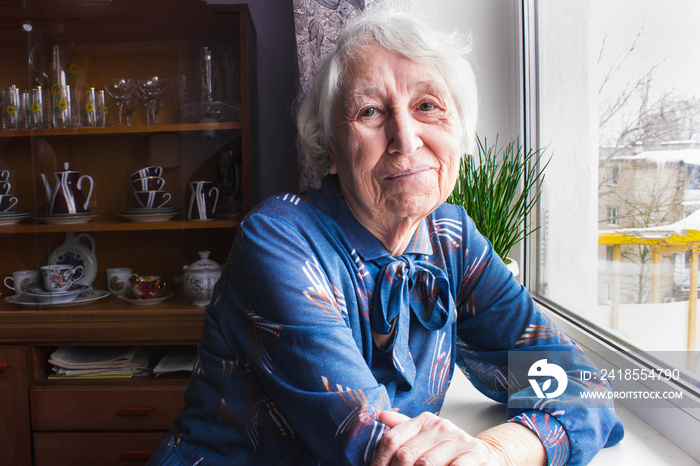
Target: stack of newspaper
177, 359
96, 361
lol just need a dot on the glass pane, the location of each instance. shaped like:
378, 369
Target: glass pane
620, 115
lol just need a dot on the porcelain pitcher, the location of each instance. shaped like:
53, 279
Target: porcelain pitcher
67, 197
203, 200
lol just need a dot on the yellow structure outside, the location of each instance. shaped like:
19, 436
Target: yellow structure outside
660, 243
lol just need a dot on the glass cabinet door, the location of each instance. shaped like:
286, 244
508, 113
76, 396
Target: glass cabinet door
125, 144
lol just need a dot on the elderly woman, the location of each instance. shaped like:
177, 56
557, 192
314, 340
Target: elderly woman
336, 327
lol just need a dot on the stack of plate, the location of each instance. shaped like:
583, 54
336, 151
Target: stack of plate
140, 214
38, 297
12, 217
66, 219
55, 297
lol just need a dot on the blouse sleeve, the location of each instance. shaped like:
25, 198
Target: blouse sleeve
279, 310
504, 339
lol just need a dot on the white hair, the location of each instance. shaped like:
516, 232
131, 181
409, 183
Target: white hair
400, 33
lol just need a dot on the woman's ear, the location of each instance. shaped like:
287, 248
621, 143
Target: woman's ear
332, 164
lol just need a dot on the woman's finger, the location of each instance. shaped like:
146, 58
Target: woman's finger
404, 429
391, 418
440, 442
456, 450
412, 438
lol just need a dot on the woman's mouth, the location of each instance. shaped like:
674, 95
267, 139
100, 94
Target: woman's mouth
409, 173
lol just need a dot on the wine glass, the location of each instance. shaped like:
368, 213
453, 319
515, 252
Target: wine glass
150, 90
129, 107
121, 89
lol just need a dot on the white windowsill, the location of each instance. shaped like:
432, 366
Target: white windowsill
474, 412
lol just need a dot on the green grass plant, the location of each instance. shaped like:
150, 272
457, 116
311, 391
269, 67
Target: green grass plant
499, 188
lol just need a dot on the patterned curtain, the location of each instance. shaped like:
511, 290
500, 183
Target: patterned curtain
318, 24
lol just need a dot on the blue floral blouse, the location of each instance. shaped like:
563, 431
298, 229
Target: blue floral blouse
288, 372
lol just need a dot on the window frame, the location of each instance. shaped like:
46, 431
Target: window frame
677, 424
613, 175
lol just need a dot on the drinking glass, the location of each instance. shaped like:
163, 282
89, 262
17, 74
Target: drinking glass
121, 89
25, 110
36, 107
150, 90
62, 107
10, 108
100, 109
180, 91
88, 107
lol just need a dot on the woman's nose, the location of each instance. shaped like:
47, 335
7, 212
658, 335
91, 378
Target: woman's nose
402, 133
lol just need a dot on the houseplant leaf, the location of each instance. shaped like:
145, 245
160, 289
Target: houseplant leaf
498, 188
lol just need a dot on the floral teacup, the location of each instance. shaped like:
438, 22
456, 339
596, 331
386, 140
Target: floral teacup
146, 286
60, 277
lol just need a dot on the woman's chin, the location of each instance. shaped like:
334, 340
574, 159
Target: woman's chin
412, 205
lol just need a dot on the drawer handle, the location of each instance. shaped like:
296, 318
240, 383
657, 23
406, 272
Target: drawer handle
136, 455
3, 367
135, 411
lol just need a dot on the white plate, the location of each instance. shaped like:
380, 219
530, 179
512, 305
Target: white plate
12, 218
144, 211
13, 213
66, 219
157, 217
87, 297
60, 297
131, 299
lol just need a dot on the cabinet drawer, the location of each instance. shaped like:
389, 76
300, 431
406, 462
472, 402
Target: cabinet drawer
85, 448
105, 409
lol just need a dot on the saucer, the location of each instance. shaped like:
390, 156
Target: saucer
86, 297
58, 297
143, 210
131, 299
12, 217
149, 215
66, 219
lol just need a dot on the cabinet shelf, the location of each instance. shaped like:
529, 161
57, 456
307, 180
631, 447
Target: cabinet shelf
116, 225
141, 129
174, 321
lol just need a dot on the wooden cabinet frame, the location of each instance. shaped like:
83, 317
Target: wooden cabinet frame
130, 38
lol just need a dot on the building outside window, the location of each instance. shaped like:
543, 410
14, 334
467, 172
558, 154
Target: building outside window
620, 119
617, 105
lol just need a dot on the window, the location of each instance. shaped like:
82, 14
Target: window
612, 94
613, 175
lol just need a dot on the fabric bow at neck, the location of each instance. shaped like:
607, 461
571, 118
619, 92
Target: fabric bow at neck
406, 286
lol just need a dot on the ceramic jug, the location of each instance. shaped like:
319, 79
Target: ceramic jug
203, 200
77, 249
67, 197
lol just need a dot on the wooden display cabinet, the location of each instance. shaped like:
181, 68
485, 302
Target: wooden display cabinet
114, 421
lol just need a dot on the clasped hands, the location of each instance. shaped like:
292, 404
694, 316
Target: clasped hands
428, 440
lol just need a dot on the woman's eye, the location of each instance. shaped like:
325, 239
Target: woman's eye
368, 112
426, 106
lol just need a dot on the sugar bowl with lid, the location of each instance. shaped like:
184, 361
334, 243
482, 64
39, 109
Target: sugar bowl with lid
199, 279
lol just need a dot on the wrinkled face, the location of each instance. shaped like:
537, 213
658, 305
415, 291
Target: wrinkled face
396, 138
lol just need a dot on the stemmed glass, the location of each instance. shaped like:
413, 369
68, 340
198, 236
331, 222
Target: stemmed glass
150, 90
121, 89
